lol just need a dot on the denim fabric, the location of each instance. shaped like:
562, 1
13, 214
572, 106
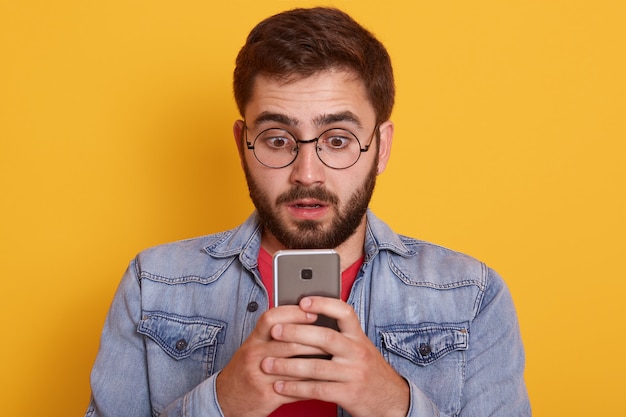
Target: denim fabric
443, 320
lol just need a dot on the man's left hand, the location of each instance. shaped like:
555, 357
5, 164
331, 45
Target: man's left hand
357, 377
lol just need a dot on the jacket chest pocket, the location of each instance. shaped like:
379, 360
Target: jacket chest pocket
180, 351
430, 355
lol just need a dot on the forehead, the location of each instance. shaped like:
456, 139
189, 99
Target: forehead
310, 99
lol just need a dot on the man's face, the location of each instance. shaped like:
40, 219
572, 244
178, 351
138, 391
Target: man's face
307, 204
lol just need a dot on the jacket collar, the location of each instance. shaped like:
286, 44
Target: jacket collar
245, 241
379, 236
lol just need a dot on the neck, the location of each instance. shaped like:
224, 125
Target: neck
349, 251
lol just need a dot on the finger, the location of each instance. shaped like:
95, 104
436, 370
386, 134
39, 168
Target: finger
324, 339
347, 319
280, 315
314, 390
282, 349
304, 369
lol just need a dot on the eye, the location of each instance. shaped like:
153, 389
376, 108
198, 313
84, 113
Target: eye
276, 142
276, 139
337, 139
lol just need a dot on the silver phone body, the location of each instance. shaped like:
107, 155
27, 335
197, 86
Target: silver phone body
302, 272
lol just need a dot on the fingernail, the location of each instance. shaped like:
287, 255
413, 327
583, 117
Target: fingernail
277, 331
306, 302
268, 364
279, 386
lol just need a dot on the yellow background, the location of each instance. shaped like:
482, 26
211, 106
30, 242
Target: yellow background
115, 128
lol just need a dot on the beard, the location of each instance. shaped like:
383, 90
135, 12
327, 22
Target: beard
311, 234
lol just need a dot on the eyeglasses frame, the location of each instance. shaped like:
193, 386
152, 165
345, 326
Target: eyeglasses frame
250, 145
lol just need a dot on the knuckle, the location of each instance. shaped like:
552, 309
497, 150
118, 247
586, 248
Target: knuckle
319, 391
267, 318
330, 337
281, 366
248, 355
346, 311
361, 354
320, 367
289, 331
287, 349
360, 374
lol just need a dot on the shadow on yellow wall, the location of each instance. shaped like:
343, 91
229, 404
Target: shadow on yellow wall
115, 130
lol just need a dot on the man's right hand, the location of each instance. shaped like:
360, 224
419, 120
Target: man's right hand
243, 389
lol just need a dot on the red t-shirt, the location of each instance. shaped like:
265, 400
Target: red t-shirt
309, 408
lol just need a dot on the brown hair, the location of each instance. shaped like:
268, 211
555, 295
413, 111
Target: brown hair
299, 43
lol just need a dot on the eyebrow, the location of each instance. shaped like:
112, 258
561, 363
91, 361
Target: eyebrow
275, 117
320, 121
345, 116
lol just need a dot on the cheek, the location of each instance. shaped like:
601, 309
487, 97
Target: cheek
272, 179
356, 180
345, 185
271, 182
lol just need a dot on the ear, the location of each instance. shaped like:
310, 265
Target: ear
238, 128
384, 145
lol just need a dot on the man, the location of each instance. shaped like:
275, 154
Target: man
423, 331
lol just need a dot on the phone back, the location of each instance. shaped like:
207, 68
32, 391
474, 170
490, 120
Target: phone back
298, 273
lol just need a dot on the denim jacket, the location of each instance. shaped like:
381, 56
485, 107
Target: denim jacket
443, 320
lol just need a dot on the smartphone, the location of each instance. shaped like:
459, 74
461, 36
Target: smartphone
302, 272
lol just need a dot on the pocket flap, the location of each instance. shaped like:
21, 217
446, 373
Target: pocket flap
179, 336
424, 344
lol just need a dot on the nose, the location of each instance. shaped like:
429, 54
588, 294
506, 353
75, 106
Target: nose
307, 169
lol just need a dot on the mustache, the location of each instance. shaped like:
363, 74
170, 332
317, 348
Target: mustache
299, 192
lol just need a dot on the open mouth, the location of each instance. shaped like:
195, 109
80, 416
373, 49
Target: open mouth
308, 209
305, 206
308, 204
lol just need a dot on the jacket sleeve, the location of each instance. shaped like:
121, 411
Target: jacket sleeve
494, 374
119, 381
494, 371
119, 378
199, 402
421, 405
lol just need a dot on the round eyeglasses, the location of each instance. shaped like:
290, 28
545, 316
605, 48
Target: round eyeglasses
278, 148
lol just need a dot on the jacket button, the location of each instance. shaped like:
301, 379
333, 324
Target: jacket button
424, 349
181, 344
253, 306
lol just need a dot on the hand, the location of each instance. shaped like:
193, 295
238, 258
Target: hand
243, 389
357, 377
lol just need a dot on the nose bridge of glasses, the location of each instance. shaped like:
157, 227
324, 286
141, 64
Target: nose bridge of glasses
337, 158
300, 149
305, 141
